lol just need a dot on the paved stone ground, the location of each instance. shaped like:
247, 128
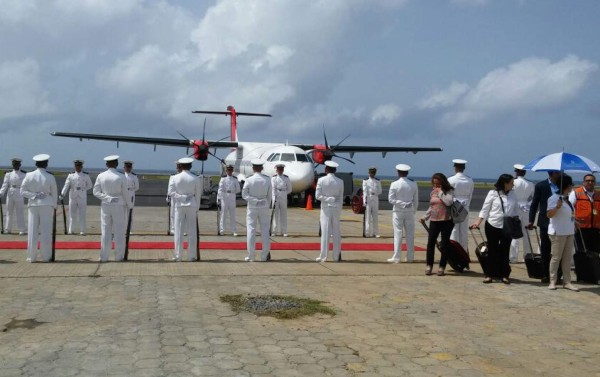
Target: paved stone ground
150, 317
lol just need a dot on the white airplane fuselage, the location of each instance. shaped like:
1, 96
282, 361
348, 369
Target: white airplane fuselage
298, 165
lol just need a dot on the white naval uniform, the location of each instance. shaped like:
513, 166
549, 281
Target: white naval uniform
133, 184
523, 190
282, 187
257, 192
229, 186
404, 196
11, 186
371, 190
39, 187
185, 191
111, 188
463, 191
77, 185
171, 206
330, 192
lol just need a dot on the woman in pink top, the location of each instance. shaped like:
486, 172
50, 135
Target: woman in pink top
440, 221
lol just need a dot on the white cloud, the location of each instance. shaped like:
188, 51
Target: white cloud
98, 8
530, 84
385, 114
21, 93
16, 10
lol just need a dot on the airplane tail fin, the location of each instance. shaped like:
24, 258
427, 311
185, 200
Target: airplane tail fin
233, 114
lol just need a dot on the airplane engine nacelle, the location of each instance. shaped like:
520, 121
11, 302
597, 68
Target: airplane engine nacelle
321, 154
200, 150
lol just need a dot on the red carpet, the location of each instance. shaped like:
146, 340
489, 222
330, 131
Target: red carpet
79, 245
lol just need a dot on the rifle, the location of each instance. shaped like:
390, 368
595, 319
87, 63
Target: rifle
62, 202
169, 216
53, 237
218, 217
1, 218
365, 224
126, 256
272, 215
197, 239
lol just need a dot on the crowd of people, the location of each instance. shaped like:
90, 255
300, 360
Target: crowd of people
565, 216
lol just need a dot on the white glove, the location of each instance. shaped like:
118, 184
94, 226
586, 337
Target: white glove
168, 199
261, 202
114, 200
39, 195
330, 199
60, 197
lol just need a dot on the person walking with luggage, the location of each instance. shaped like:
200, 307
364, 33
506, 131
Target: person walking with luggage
440, 221
586, 201
371, 188
542, 192
330, 192
561, 230
15, 204
498, 203
463, 192
404, 196
524, 192
229, 187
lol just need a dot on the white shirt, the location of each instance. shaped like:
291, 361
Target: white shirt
111, 188
185, 189
12, 182
78, 184
330, 191
523, 192
39, 187
492, 208
229, 186
463, 188
563, 222
371, 187
282, 186
404, 195
257, 191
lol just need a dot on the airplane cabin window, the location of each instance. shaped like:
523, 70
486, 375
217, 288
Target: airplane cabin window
302, 157
270, 158
288, 157
273, 157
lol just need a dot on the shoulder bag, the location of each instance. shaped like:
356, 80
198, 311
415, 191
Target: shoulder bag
511, 226
458, 212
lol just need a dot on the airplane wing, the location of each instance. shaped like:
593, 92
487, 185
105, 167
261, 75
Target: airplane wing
146, 140
384, 150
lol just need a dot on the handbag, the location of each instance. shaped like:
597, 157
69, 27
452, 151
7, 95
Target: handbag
511, 226
458, 212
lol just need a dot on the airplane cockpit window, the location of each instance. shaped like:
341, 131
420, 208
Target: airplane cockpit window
288, 157
302, 157
273, 157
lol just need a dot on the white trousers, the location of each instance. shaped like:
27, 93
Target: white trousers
330, 227
255, 216
15, 208
77, 211
460, 233
172, 216
372, 216
228, 211
404, 220
185, 222
514, 245
39, 228
280, 216
113, 226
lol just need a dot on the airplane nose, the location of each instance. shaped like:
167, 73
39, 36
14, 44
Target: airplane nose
301, 174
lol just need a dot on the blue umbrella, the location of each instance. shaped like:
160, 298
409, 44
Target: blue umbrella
564, 162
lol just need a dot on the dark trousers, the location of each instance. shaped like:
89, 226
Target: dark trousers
435, 228
545, 247
498, 251
591, 239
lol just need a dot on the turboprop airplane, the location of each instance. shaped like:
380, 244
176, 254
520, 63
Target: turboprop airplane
298, 158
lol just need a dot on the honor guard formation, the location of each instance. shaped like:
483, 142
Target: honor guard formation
567, 217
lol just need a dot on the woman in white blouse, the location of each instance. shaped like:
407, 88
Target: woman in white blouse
498, 203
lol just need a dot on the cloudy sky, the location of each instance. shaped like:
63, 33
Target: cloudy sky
495, 82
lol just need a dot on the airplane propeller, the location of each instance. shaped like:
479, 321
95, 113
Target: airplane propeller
201, 148
322, 153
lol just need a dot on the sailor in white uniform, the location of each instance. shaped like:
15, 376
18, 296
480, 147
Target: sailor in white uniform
463, 191
229, 187
330, 192
39, 187
171, 206
257, 192
77, 185
282, 187
404, 196
185, 191
15, 204
133, 184
111, 188
523, 190
371, 188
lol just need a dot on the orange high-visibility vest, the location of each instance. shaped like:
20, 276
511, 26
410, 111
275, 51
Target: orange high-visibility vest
585, 213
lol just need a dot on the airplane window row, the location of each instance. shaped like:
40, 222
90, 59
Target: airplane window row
289, 157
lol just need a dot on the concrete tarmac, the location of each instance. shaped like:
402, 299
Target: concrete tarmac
153, 317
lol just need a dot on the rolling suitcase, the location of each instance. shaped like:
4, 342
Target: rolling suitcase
482, 252
533, 262
456, 255
587, 264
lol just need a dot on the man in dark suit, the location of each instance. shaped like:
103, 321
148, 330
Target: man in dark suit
543, 190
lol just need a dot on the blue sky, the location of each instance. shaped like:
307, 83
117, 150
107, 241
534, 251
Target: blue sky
495, 82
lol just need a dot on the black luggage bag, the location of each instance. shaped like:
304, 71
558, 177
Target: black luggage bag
482, 252
587, 264
534, 262
456, 255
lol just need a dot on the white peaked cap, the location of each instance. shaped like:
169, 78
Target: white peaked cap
518, 166
402, 167
185, 160
331, 164
459, 161
41, 157
112, 157
257, 162
280, 165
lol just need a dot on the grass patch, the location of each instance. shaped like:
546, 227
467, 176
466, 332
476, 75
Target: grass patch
281, 307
